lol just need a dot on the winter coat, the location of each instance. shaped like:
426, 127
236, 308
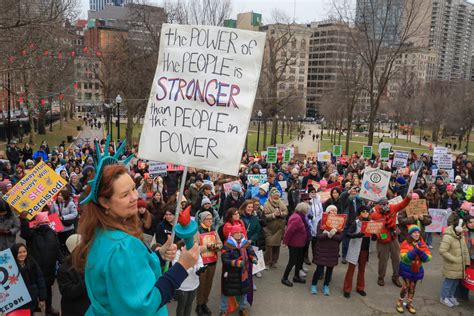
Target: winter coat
34, 281
274, 225
388, 231
358, 241
232, 281
193, 194
455, 255
296, 234
13, 154
315, 178
72, 286
12, 224
252, 225
349, 207
315, 214
228, 225
162, 231
42, 154
412, 255
404, 221
452, 203
325, 249
27, 154
215, 217
230, 202
75, 189
65, 212
43, 246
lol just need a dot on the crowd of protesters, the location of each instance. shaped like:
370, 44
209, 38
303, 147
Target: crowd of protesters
246, 214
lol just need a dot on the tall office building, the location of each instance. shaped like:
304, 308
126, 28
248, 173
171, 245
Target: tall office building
99, 5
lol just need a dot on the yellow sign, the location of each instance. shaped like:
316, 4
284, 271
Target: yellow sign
35, 190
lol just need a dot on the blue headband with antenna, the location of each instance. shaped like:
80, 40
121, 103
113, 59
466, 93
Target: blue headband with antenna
104, 160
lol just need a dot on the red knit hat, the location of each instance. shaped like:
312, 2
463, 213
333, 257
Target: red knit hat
141, 203
235, 229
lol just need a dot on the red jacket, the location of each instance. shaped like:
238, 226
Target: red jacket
296, 234
388, 231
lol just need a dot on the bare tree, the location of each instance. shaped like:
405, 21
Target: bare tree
381, 31
461, 114
200, 12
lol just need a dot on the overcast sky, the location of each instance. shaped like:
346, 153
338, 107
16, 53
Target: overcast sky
303, 10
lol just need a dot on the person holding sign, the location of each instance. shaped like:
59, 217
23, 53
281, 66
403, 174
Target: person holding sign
357, 254
326, 254
413, 252
112, 252
387, 241
404, 220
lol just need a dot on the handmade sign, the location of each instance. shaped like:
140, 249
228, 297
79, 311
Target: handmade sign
173, 167
396, 200
228, 185
385, 153
202, 96
208, 239
367, 152
314, 183
324, 195
336, 150
311, 155
260, 178
413, 179
438, 152
287, 156
271, 155
35, 190
260, 266
439, 220
417, 207
13, 291
400, 159
156, 168
54, 222
329, 222
324, 156
374, 184
372, 227
445, 161
283, 185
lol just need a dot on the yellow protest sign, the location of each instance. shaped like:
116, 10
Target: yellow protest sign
35, 190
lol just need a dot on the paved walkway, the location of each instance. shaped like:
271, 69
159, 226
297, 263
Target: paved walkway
307, 144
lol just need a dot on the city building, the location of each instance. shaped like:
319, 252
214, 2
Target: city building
245, 21
99, 5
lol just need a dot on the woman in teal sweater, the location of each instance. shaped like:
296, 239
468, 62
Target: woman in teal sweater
123, 276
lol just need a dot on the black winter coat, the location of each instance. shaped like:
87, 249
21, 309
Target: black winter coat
74, 299
27, 154
43, 245
34, 281
325, 249
230, 202
232, 284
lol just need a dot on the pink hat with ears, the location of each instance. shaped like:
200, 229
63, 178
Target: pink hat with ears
323, 183
42, 218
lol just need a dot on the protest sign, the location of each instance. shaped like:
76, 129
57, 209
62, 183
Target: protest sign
445, 161
372, 227
400, 159
413, 179
384, 145
13, 291
202, 96
438, 152
367, 152
439, 220
205, 240
324, 156
261, 178
324, 195
54, 222
417, 207
260, 266
396, 200
283, 185
228, 185
271, 155
374, 184
311, 155
336, 150
35, 190
156, 168
172, 167
385, 153
329, 221
287, 156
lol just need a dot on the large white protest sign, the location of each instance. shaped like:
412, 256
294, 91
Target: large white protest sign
413, 179
374, 184
156, 168
438, 152
13, 291
439, 220
445, 161
202, 96
400, 159
324, 156
259, 178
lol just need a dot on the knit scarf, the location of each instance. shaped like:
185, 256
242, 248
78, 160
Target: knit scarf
241, 246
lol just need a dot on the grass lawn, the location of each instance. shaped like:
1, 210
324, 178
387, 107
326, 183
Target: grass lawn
326, 144
55, 137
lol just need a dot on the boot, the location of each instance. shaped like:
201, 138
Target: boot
396, 281
244, 312
199, 310
205, 310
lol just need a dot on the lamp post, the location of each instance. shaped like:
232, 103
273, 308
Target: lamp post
291, 125
259, 115
283, 128
276, 130
118, 100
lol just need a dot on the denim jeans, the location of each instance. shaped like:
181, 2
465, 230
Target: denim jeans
243, 304
345, 244
429, 239
449, 287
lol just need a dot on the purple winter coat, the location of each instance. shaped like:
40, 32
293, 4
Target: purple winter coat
296, 232
325, 249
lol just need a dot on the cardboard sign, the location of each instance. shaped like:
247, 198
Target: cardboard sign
156, 168
417, 207
324, 156
202, 96
13, 291
228, 185
400, 159
337, 150
367, 152
439, 220
372, 227
54, 222
374, 184
261, 178
35, 190
329, 222
271, 155
287, 156
204, 240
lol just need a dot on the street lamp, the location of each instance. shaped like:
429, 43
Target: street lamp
283, 128
291, 125
276, 130
118, 100
259, 115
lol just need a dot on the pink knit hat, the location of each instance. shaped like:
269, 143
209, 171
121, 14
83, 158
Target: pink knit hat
42, 218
